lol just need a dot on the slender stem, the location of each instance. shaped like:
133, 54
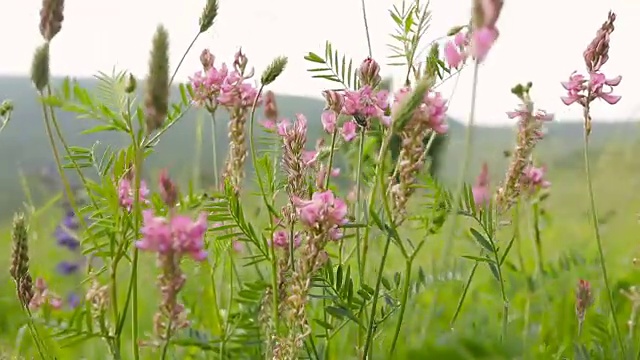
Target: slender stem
214, 150
184, 56
537, 238
448, 238
596, 230
505, 300
376, 295
358, 207
155, 138
465, 290
214, 297
371, 198
271, 249
366, 26
403, 303
134, 266
327, 179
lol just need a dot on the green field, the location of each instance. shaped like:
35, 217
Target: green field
542, 322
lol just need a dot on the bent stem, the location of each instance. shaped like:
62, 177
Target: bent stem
596, 230
271, 249
184, 56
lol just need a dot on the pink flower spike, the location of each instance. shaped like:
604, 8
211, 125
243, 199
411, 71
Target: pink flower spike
452, 55
481, 42
328, 119
349, 130
309, 157
460, 39
480, 190
269, 125
283, 126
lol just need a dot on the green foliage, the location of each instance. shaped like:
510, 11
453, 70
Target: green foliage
334, 67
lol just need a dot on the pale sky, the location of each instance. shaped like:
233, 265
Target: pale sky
540, 40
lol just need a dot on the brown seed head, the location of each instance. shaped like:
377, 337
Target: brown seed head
597, 53
51, 17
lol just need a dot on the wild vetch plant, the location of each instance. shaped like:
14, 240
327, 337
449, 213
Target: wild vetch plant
293, 252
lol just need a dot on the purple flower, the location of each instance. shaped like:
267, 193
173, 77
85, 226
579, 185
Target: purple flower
66, 238
73, 300
67, 268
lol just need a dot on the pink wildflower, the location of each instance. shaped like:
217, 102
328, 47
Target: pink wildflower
453, 55
349, 130
179, 233
309, 157
484, 32
480, 190
533, 178
432, 112
281, 239
365, 102
323, 210
481, 42
268, 125
126, 193
329, 119
43, 296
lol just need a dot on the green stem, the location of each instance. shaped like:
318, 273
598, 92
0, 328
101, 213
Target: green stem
465, 290
596, 230
184, 56
214, 296
505, 300
358, 207
134, 266
376, 295
403, 303
372, 196
271, 249
537, 238
214, 151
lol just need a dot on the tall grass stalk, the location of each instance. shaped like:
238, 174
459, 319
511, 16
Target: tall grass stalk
596, 230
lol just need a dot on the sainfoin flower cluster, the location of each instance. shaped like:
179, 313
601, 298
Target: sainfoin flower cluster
583, 89
480, 39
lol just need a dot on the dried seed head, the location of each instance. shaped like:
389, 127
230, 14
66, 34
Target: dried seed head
209, 14
20, 260
157, 91
20, 253
40, 67
274, 70
207, 59
51, 17
334, 101
597, 53
168, 189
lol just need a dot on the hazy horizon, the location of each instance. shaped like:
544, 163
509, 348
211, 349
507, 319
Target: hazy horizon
540, 41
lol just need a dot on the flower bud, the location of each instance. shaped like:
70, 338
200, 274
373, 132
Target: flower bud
334, 100
207, 59
369, 73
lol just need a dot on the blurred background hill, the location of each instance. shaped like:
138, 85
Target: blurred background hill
24, 148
